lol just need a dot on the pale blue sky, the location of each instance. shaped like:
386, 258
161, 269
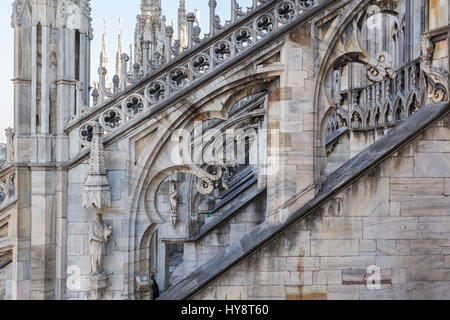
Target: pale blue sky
112, 10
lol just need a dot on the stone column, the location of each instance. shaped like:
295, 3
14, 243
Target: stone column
65, 85
22, 91
20, 232
43, 204
262, 150
290, 128
20, 228
44, 142
33, 77
45, 83
448, 40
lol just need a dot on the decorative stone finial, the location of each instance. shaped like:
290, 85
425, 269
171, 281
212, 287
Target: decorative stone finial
96, 189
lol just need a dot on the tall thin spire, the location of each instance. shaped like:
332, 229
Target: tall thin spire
131, 57
104, 53
119, 66
182, 24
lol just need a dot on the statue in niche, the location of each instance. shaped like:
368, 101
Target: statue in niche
98, 236
400, 82
369, 98
390, 115
356, 120
173, 202
388, 88
355, 98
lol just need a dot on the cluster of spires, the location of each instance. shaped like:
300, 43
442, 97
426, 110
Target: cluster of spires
155, 44
151, 26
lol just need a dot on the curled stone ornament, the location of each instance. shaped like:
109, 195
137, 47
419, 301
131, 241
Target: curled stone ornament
380, 68
208, 179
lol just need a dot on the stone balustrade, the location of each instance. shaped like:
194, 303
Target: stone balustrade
150, 85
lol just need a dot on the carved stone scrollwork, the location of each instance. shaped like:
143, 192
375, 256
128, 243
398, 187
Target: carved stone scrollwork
436, 93
436, 79
7, 188
209, 179
380, 67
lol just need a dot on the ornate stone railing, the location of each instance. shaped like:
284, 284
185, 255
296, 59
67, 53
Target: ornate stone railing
385, 103
143, 91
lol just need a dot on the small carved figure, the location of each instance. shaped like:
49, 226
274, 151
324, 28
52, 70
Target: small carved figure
10, 144
390, 116
98, 236
356, 120
173, 197
173, 202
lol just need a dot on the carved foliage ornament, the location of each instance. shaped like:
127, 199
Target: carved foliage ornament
380, 67
7, 188
437, 79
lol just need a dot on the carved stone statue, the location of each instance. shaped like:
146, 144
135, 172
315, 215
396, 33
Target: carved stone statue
9, 133
390, 115
98, 236
173, 202
356, 121
173, 197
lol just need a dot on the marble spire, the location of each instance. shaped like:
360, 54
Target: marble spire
182, 24
119, 66
104, 53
